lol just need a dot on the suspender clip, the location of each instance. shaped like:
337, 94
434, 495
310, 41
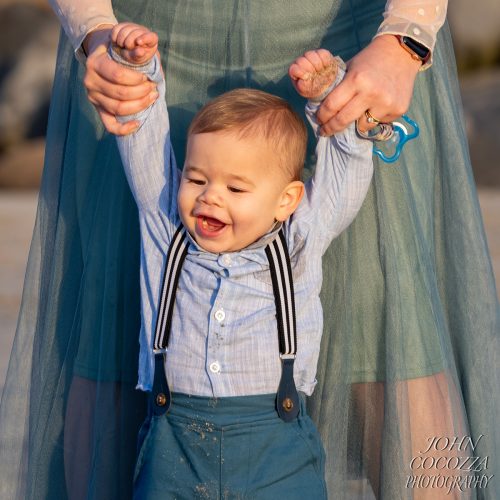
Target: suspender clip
160, 395
160, 351
287, 398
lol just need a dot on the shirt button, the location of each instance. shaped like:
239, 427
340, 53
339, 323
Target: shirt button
220, 315
215, 367
226, 260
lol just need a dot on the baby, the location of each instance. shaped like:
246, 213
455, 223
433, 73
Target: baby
230, 282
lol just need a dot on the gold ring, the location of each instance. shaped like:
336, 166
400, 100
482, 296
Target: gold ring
370, 118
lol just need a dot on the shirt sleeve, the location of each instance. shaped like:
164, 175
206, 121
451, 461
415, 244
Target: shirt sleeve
418, 19
343, 173
78, 19
147, 154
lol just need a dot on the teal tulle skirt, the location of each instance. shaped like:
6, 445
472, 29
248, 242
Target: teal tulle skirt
410, 352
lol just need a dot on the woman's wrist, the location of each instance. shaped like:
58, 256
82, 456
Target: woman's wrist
390, 44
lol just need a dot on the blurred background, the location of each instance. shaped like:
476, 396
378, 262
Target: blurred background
29, 33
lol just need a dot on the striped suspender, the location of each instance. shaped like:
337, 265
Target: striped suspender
175, 258
281, 276
287, 401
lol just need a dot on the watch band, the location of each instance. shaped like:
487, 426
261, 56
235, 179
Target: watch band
417, 51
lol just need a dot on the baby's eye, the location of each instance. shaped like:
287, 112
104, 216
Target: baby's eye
198, 182
235, 189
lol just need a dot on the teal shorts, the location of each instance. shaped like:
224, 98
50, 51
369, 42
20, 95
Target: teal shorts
231, 448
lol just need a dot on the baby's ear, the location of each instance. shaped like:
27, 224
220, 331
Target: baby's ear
289, 200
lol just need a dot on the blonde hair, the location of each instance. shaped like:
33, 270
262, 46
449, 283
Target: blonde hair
253, 112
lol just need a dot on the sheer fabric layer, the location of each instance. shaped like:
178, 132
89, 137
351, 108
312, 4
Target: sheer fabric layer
424, 289
411, 339
419, 19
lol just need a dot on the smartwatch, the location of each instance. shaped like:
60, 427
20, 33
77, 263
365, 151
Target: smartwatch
416, 50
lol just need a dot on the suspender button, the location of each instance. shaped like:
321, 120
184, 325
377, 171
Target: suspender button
161, 399
288, 404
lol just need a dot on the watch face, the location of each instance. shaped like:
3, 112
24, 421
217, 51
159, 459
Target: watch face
420, 50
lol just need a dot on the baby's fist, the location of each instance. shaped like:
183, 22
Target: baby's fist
313, 73
136, 44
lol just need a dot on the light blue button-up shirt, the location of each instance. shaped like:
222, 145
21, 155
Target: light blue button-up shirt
224, 339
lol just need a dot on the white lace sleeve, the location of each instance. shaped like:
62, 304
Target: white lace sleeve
79, 18
418, 19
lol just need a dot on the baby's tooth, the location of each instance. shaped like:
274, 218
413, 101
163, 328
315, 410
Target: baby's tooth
204, 223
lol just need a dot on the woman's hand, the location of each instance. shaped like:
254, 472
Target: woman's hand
112, 88
379, 79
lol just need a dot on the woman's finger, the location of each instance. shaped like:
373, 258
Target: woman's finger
97, 85
345, 116
122, 108
335, 101
112, 125
102, 67
351, 111
376, 117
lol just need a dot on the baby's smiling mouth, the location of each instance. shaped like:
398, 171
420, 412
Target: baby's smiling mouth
209, 226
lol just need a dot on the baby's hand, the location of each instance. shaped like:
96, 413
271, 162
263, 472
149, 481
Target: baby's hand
313, 73
136, 43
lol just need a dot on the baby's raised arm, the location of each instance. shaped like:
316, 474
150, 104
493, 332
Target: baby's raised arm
147, 154
344, 165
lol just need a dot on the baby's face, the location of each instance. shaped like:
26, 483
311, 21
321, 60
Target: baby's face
231, 190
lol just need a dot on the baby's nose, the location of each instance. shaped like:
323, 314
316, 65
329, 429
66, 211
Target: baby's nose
212, 196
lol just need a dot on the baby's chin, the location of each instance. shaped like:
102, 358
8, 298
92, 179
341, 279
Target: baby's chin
219, 245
